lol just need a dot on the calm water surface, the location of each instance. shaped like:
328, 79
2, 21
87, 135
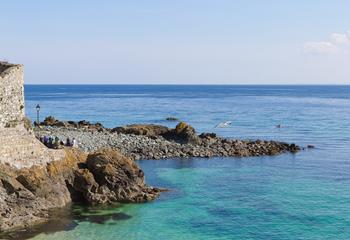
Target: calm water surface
302, 196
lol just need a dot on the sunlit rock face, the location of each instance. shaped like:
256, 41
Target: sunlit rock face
102, 177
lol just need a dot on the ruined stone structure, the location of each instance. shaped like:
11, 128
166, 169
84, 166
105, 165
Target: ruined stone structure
11, 94
18, 145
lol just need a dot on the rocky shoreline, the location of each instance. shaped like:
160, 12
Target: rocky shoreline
147, 141
102, 170
102, 177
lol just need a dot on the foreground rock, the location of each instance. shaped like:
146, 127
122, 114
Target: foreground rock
148, 141
102, 177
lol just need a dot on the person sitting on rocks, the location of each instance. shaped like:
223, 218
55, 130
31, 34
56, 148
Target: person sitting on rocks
56, 143
46, 141
74, 143
50, 143
68, 142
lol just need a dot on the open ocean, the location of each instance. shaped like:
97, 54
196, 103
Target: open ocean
301, 196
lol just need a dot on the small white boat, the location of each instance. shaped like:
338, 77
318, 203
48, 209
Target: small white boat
224, 124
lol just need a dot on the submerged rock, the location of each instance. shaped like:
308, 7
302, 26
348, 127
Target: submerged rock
172, 119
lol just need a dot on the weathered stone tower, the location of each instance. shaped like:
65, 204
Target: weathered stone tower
18, 145
11, 94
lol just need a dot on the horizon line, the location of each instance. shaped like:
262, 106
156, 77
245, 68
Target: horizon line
184, 84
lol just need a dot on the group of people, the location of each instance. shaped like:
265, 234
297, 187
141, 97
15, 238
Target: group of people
55, 142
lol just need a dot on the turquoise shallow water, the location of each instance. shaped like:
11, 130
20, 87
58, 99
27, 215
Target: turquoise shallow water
302, 196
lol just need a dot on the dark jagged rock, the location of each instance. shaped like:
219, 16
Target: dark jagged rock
49, 121
119, 177
183, 133
207, 135
172, 119
102, 177
52, 122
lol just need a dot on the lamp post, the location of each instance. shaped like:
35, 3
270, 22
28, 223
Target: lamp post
37, 113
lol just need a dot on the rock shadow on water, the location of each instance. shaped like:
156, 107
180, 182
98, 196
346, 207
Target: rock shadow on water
67, 219
98, 215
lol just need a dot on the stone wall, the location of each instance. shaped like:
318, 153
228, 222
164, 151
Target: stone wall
18, 145
19, 148
11, 94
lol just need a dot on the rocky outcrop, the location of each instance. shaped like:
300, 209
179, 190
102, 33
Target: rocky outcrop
159, 142
183, 133
102, 177
52, 122
112, 177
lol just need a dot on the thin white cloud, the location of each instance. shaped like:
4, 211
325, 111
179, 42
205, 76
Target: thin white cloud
320, 48
340, 38
337, 42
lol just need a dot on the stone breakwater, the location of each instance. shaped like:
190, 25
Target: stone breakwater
159, 142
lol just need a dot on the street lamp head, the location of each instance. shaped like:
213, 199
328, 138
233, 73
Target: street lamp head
37, 114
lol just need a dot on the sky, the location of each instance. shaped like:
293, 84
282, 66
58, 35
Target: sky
178, 42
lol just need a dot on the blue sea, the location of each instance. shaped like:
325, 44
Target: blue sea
301, 196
